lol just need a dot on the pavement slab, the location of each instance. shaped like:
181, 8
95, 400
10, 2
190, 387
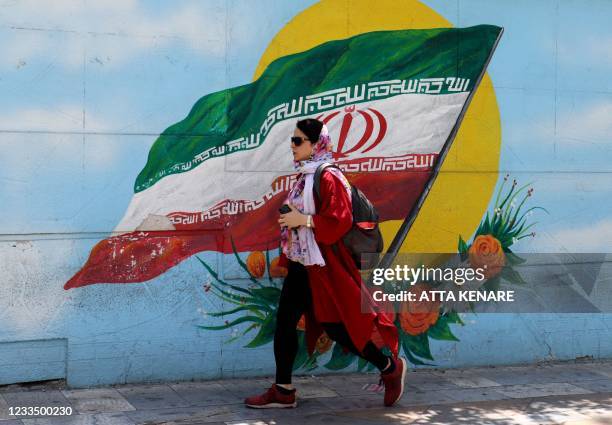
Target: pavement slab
97, 400
569, 393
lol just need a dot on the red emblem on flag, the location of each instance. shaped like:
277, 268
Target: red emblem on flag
349, 142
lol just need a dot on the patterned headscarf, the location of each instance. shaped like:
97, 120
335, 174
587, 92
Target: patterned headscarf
299, 243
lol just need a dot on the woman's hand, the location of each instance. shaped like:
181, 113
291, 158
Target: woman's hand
292, 219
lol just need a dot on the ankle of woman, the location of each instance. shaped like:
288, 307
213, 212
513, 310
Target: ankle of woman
390, 366
285, 388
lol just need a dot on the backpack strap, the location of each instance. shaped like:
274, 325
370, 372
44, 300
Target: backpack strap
317, 177
317, 190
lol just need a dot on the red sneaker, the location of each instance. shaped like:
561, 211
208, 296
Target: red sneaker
271, 398
394, 381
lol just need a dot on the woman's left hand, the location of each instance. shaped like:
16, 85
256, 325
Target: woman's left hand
292, 219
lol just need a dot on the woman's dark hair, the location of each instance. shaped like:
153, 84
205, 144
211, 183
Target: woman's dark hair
311, 128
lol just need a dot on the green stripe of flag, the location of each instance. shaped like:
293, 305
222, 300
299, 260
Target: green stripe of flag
235, 119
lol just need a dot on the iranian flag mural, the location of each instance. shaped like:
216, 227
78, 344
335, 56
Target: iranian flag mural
214, 181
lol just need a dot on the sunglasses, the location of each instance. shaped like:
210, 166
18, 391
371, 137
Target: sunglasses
297, 140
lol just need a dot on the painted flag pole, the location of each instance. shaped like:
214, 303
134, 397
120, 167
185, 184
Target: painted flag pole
400, 236
393, 101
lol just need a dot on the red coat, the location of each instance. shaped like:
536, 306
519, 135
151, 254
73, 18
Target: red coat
337, 287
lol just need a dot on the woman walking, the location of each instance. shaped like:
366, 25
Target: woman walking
323, 282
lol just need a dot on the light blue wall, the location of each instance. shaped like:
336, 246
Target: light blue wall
85, 89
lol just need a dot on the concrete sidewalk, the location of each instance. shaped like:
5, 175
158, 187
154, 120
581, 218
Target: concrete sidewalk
576, 392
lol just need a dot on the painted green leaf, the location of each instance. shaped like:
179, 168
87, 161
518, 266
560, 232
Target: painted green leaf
463, 249
269, 294
242, 263
249, 328
241, 300
418, 345
234, 323
440, 330
462, 246
311, 362
218, 279
252, 308
236, 298
361, 363
302, 355
266, 332
411, 357
453, 317
486, 227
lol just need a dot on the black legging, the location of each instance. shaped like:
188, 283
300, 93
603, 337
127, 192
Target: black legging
295, 299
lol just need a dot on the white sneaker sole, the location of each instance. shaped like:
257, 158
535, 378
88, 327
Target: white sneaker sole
405, 367
272, 405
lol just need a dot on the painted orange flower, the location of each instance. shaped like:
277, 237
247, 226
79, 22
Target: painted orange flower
256, 264
276, 270
301, 325
324, 343
417, 316
487, 251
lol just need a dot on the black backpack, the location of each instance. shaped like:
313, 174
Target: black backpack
364, 235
